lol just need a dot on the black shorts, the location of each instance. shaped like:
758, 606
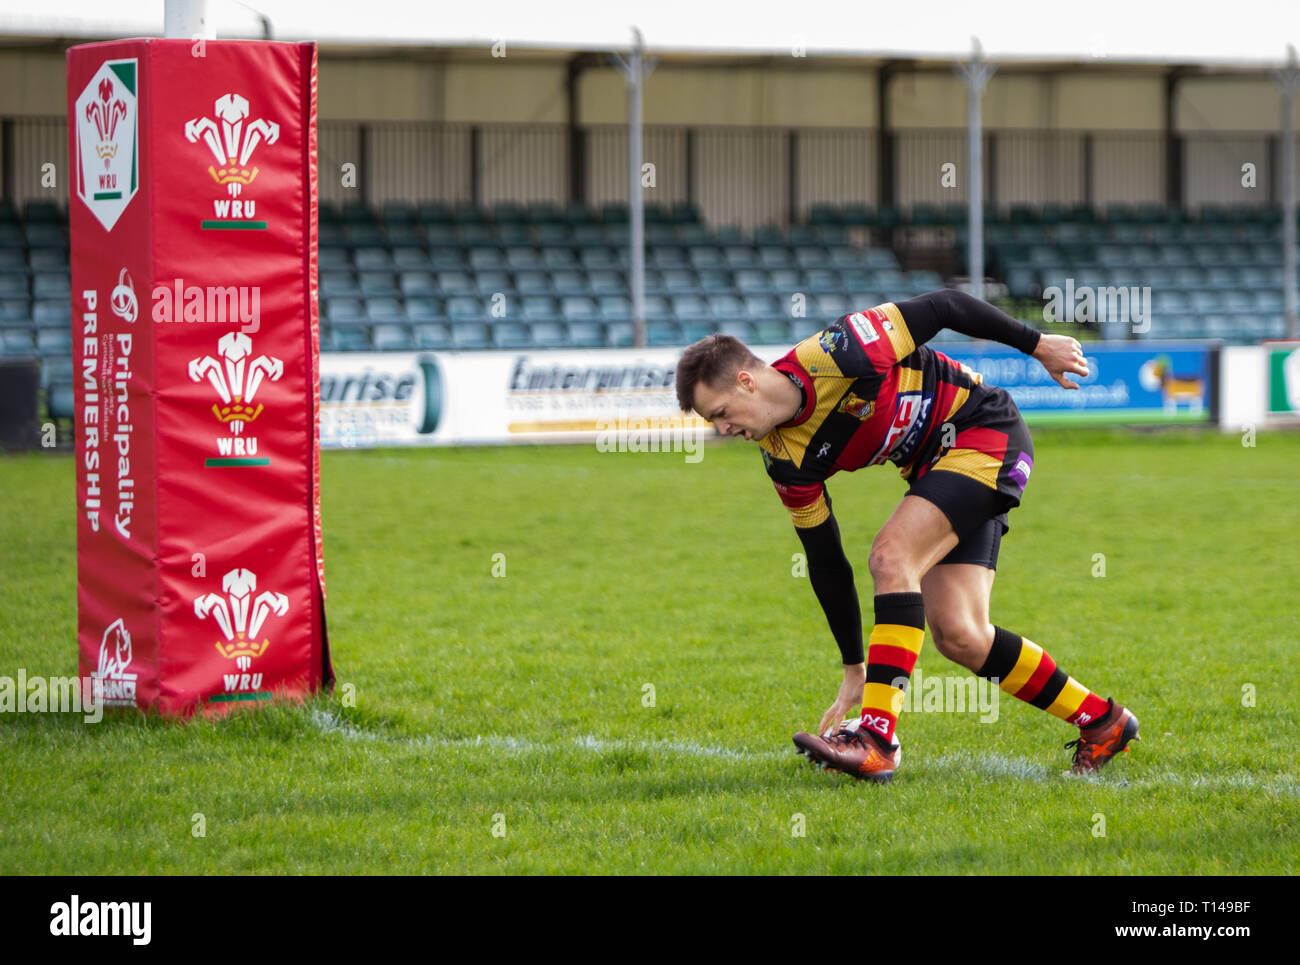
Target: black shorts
975, 483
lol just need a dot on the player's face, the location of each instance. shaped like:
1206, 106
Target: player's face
737, 409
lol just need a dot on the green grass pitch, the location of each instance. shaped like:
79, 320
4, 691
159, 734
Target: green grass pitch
501, 723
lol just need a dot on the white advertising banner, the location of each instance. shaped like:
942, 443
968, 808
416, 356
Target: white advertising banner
624, 396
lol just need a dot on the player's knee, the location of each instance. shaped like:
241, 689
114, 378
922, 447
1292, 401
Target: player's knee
961, 640
889, 566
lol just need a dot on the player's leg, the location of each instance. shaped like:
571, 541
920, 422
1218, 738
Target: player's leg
956, 594
913, 539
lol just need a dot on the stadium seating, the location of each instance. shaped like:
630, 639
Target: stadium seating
435, 276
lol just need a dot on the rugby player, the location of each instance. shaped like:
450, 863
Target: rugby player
865, 391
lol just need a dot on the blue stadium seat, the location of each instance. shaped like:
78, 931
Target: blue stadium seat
15, 312
549, 335
351, 339
658, 308
557, 259
378, 283
691, 307
511, 335
455, 283
679, 280
666, 258
51, 285
448, 259
385, 310
599, 258
489, 283
392, 338
52, 313
470, 335
770, 332
462, 308
830, 306
532, 282
442, 235
424, 310
586, 334
662, 332
538, 308
345, 311
706, 256
813, 257
615, 308
737, 329
606, 282
619, 334
16, 342
569, 282
410, 258
716, 281
765, 306
54, 341
523, 259
578, 308
821, 280
417, 283
431, 335
486, 258
13, 286
51, 259
726, 306
784, 281
550, 235
740, 256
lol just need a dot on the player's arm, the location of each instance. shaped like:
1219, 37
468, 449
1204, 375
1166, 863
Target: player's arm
831, 576
928, 314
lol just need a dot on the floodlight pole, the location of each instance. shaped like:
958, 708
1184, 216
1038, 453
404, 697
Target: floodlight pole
187, 20
635, 70
1288, 79
976, 74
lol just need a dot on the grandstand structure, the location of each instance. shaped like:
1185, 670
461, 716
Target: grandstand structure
489, 207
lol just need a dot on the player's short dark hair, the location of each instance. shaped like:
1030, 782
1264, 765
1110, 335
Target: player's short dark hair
712, 360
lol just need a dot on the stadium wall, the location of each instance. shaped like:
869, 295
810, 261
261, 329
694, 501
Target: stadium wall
720, 134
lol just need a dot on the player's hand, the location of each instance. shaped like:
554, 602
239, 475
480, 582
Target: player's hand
1061, 354
848, 700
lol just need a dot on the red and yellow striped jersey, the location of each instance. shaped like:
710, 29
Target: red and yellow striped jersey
871, 395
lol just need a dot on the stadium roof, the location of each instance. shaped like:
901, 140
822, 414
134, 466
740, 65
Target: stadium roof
1100, 33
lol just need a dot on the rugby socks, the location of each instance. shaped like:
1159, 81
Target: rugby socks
891, 654
1024, 670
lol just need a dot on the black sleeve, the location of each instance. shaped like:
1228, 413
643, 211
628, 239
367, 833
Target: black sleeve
831, 576
926, 315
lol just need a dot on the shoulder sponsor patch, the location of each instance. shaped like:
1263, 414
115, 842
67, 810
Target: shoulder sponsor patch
829, 340
862, 326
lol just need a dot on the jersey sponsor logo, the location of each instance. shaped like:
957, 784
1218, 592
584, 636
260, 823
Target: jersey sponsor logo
911, 410
856, 406
830, 340
821, 453
861, 325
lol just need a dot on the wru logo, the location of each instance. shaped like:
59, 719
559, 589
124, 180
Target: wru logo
238, 380
105, 113
233, 142
239, 615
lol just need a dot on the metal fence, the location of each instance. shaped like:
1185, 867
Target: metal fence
735, 175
